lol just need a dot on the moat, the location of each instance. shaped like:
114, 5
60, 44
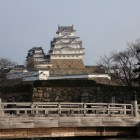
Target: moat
83, 138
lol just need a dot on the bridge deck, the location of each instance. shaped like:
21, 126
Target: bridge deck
66, 119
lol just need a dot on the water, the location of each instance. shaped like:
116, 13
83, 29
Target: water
80, 138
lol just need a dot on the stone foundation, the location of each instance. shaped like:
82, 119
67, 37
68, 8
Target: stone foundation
68, 91
77, 67
67, 63
93, 94
66, 71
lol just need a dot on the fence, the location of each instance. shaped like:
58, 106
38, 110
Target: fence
68, 109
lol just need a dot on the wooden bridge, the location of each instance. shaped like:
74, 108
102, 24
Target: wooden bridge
56, 119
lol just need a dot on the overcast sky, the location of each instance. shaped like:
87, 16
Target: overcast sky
102, 25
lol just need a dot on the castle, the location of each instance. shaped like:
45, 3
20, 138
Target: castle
64, 58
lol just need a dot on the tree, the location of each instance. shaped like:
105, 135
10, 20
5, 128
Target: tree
5, 66
136, 47
5, 63
122, 64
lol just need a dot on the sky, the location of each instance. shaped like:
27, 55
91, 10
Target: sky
102, 25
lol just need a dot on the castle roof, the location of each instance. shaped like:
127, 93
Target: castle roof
36, 48
72, 41
65, 28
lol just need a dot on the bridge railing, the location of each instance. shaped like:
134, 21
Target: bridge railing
62, 108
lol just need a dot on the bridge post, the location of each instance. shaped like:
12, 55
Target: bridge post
36, 109
0, 107
134, 104
108, 106
32, 109
85, 106
124, 107
59, 109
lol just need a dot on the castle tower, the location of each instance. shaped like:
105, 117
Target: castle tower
36, 59
66, 49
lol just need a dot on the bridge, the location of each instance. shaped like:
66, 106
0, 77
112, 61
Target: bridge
61, 119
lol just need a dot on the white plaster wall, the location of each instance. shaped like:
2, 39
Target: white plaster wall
29, 75
66, 57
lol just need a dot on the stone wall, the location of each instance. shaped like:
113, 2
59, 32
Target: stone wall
67, 63
80, 94
67, 71
87, 93
67, 91
94, 69
67, 67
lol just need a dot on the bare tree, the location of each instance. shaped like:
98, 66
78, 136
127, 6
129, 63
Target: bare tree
5, 63
121, 65
135, 46
5, 66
